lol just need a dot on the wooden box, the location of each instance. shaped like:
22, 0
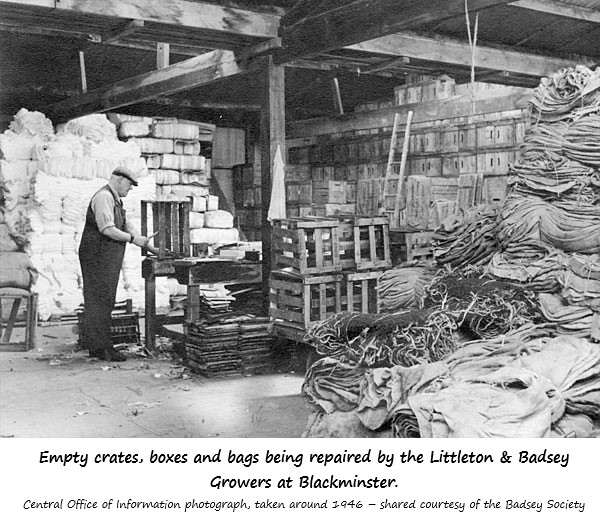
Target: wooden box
418, 246
449, 139
359, 292
433, 166
299, 192
495, 162
300, 301
467, 163
329, 192
171, 223
297, 172
364, 242
308, 245
450, 165
467, 137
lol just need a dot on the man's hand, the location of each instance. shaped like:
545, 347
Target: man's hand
141, 240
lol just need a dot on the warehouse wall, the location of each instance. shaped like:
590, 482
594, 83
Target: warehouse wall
453, 161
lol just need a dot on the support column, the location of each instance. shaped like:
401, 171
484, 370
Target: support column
272, 133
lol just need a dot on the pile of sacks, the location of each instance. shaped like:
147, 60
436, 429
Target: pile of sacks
48, 179
173, 151
520, 385
549, 224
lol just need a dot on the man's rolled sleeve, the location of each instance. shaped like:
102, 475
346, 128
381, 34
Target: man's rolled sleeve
103, 207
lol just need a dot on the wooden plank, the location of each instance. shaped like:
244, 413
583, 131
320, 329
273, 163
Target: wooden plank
82, 70
183, 13
560, 9
201, 70
127, 30
499, 100
458, 53
162, 55
11, 319
364, 296
362, 20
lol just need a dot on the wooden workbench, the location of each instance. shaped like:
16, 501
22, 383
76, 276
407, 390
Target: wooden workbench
192, 272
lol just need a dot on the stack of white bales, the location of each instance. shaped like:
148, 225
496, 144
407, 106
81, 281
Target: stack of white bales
172, 149
53, 180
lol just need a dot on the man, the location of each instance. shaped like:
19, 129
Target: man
105, 236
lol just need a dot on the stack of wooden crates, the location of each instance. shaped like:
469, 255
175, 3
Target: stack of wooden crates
323, 266
453, 162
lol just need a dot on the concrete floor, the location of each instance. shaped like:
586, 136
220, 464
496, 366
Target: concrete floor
58, 391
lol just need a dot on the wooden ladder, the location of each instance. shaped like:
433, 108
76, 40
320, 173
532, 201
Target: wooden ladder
394, 213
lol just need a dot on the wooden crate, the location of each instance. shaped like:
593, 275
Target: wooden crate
449, 139
467, 137
297, 172
299, 301
418, 246
171, 219
364, 242
329, 192
307, 244
359, 291
299, 192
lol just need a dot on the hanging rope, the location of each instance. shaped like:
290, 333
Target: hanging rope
473, 46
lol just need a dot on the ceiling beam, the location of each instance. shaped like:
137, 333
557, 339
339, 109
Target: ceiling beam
194, 72
506, 99
184, 13
363, 20
128, 29
458, 53
560, 9
177, 102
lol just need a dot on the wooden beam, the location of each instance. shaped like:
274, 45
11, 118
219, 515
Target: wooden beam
128, 29
200, 70
210, 105
196, 15
302, 9
47, 31
458, 53
560, 9
504, 99
364, 20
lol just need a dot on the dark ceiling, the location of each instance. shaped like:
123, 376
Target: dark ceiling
40, 53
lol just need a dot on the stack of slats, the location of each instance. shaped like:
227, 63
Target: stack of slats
230, 346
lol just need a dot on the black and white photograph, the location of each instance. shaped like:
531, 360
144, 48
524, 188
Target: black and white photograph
293, 240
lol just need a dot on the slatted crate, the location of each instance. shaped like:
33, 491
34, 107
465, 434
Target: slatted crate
124, 327
299, 301
364, 242
309, 245
359, 291
171, 222
419, 246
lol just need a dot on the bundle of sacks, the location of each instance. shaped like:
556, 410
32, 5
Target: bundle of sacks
48, 179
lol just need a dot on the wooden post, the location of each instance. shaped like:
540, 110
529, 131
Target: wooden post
272, 134
82, 68
337, 95
162, 55
150, 308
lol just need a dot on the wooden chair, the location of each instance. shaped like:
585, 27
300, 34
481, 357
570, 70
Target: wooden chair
17, 295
